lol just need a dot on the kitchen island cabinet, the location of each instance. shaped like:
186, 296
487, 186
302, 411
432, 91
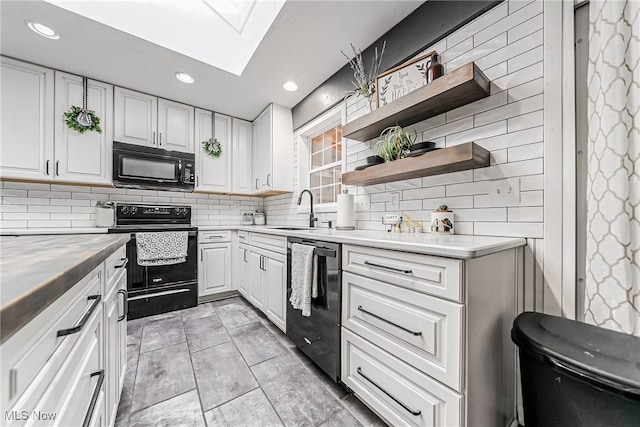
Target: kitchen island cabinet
63, 314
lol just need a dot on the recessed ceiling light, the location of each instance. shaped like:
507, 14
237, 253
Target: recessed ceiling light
42, 30
290, 86
184, 77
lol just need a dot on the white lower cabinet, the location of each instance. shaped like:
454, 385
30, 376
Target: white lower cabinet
400, 393
241, 272
116, 343
69, 361
425, 339
214, 262
261, 275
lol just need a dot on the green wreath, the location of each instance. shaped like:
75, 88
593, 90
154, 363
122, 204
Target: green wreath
212, 147
71, 119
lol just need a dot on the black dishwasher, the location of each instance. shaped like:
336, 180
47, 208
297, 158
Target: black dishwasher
318, 335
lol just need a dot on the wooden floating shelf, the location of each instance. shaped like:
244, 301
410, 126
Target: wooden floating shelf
460, 87
452, 159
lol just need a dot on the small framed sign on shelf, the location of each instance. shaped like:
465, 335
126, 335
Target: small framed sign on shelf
403, 79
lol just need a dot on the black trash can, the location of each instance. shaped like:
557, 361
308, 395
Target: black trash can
574, 374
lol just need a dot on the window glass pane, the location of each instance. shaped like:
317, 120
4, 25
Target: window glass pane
315, 179
338, 190
337, 173
326, 195
327, 176
339, 132
316, 160
316, 195
330, 138
329, 155
338, 149
316, 144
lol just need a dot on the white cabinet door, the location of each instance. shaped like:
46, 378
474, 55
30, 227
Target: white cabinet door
241, 275
112, 356
83, 157
262, 155
135, 117
26, 108
214, 173
215, 268
256, 280
175, 126
242, 140
275, 266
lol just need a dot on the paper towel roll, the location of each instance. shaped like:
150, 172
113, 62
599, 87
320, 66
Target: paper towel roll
345, 211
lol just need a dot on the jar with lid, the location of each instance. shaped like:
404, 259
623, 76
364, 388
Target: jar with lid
105, 213
260, 218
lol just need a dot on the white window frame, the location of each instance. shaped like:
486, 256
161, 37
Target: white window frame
332, 118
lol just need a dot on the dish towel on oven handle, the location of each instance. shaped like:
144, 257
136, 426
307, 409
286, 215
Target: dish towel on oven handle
162, 248
304, 278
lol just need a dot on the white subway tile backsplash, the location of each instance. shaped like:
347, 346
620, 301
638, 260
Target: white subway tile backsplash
514, 139
525, 90
423, 193
514, 109
526, 214
509, 229
27, 185
49, 224
24, 201
476, 133
516, 78
526, 152
478, 24
525, 121
525, 59
53, 209
11, 192
528, 27
510, 21
528, 167
24, 216
479, 106
532, 182
70, 188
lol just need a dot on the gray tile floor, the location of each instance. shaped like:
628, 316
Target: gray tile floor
224, 364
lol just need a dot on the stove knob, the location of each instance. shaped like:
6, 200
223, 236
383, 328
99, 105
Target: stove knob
125, 209
134, 210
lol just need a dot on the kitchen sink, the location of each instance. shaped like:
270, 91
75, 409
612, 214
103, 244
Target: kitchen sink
291, 228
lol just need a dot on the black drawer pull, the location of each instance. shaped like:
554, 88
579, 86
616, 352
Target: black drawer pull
96, 302
125, 304
123, 263
406, 408
94, 397
399, 270
417, 334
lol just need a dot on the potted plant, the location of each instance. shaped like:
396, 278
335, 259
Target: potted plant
394, 143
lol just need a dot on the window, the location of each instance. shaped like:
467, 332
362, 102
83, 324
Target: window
325, 165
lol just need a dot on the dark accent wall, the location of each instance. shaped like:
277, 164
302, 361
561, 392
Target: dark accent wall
428, 24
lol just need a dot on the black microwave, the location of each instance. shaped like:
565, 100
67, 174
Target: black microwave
147, 168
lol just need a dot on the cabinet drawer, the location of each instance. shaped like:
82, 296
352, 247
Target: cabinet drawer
422, 330
423, 273
214, 236
115, 263
243, 236
25, 354
269, 242
399, 393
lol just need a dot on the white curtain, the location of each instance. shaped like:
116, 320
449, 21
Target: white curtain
612, 294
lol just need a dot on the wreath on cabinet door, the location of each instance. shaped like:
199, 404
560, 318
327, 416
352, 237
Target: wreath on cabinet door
212, 147
81, 119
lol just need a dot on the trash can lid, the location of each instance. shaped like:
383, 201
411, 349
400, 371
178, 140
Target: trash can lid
603, 355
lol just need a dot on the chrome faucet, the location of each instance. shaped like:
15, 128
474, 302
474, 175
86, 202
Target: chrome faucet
312, 218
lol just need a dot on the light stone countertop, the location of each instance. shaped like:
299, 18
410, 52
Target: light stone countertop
37, 231
36, 270
456, 246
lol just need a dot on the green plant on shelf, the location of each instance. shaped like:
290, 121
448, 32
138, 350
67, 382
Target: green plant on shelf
394, 143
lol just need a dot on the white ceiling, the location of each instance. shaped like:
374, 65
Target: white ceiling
302, 45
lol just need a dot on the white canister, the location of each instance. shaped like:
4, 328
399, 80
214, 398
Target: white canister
105, 214
442, 222
259, 218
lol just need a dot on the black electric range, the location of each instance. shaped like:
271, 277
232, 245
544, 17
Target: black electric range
160, 288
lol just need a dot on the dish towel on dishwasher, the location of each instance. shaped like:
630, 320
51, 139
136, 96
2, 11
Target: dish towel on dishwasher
162, 248
304, 278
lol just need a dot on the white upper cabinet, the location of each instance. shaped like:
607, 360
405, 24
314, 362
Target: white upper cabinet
242, 147
83, 157
26, 108
175, 126
143, 119
136, 117
273, 150
213, 173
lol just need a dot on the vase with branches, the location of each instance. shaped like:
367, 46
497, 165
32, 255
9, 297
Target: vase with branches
363, 81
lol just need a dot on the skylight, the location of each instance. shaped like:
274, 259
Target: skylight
221, 33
